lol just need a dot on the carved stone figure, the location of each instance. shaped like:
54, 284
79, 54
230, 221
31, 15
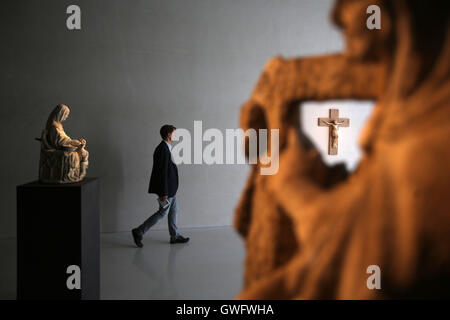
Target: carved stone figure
334, 127
312, 231
333, 122
63, 159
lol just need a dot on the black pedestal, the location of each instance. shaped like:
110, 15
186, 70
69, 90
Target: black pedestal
58, 226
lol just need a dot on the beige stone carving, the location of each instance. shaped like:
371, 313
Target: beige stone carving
63, 159
333, 122
312, 231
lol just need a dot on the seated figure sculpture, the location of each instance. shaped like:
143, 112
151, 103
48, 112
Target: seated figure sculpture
63, 159
312, 231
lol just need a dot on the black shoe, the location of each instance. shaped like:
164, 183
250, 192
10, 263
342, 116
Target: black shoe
179, 239
137, 238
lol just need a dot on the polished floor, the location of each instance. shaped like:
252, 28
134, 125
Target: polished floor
207, 267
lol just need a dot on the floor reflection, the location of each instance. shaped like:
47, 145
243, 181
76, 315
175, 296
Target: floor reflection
207, 267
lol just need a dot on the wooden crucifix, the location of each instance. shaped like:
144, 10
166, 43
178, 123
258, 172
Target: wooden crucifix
333, 122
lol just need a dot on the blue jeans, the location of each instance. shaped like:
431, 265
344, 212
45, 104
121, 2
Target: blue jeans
172, 210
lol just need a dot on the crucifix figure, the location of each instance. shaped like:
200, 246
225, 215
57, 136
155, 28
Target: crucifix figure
333, 122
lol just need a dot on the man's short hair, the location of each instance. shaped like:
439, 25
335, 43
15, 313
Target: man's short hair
165, 130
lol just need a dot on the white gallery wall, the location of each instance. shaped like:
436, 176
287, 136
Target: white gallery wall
134, 66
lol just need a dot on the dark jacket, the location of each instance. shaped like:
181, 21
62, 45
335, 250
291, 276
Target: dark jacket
164, 178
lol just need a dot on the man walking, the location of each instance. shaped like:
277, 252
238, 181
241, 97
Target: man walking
164, 183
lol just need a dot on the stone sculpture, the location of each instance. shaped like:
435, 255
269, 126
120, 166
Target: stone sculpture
313, 231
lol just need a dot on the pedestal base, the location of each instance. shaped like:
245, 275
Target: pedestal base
58, 226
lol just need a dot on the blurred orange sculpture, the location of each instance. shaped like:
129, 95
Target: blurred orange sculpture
311, 231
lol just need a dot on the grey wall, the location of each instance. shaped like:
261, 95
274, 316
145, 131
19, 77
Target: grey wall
134, 66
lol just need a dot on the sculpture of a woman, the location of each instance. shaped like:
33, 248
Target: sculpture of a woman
63, 159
